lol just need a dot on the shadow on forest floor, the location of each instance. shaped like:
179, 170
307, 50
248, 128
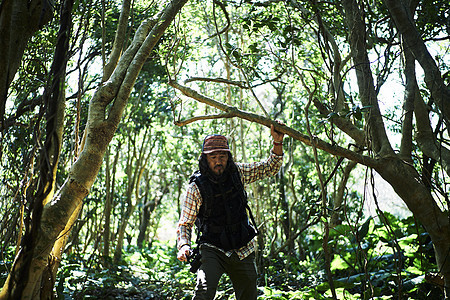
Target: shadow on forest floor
148, 291
118, 293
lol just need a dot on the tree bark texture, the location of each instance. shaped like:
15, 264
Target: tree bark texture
109, 198
357, 40
119, 40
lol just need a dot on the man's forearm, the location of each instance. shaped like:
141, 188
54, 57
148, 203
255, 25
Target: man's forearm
278, 148
277, 140
183, 236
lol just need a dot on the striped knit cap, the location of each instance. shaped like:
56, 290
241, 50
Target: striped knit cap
215, 142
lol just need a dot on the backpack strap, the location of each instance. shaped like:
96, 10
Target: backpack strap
236, 177
206, 193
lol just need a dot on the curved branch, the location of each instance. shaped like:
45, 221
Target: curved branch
24, 107
344, 124
240, 84
200, 118
354, 16
411, 88
433, 78
225, 29
119, 40
425, 137
235, 112
239, 67
147, 36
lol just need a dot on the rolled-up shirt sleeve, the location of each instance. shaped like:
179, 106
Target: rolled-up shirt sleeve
190, 206
252, 172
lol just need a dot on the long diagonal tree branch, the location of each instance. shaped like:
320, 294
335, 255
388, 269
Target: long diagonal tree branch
304, 138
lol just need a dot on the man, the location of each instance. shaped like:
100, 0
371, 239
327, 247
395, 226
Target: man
217, 203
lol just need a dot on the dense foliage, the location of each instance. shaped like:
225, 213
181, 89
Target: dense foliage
389, 259
316, 217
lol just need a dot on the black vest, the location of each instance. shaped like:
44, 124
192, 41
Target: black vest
222, 219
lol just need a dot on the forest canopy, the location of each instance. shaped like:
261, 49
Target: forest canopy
105, 105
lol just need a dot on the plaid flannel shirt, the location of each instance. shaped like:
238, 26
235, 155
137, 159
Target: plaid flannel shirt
190, 205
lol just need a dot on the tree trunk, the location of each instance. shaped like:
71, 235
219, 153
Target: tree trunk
401, 176
401, 15
136, 164
147, 210
100, 129
19, 20
285, 215
30, 284
144, 221
408, 185
110, 190
121, 232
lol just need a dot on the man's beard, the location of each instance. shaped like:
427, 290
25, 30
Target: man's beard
218, 177
206, 170
218, 169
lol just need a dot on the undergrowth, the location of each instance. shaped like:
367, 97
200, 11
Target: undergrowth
372, 261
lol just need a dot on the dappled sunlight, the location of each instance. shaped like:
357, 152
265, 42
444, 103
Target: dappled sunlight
105, 106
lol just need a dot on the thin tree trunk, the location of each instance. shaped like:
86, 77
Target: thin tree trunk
285, 212
144, 221
339, 199
135, 167
121, 232
402, 16
132, 173
401, 176
108, 206
110, 190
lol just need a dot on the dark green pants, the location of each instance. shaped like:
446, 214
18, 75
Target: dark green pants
215, 263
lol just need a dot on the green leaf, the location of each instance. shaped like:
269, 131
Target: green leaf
362, 232
236, 55
358, 113
229, 46
253, 47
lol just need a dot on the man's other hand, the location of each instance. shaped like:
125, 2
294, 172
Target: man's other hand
184, 253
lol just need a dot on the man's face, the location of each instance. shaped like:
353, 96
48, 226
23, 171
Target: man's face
217, 161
